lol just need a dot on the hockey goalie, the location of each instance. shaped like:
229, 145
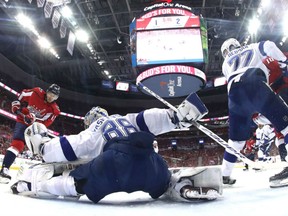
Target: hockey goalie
120, 157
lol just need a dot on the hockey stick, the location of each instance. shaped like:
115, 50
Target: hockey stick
205, 130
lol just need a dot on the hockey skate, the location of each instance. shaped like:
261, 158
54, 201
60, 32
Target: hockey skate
280, 179
192, 184
4, 176
228, 181
201, 193
21, 187
24, 188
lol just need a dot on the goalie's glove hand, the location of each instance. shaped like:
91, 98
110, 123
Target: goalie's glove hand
29, 118
15, 107
35, 135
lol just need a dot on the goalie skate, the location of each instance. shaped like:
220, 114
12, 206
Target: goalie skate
193, 193
24, 189
190, 184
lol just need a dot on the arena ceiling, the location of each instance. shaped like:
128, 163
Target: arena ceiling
107, 22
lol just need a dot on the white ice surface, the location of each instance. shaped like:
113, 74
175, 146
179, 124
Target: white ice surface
251, 195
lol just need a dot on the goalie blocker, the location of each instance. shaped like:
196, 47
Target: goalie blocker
191, 109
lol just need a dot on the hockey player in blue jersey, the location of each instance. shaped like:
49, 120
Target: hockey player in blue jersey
265, 137
122, 158
248, 93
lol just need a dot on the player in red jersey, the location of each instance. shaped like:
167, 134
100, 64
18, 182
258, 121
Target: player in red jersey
278, 81
32, 105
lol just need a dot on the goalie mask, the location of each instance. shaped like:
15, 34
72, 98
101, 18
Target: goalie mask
229, 45
94, 114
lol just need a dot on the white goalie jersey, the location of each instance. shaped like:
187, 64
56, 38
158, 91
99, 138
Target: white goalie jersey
89, 143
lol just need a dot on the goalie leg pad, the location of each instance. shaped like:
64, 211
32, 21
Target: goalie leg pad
39, 172
189, 184
43, 184
46, 170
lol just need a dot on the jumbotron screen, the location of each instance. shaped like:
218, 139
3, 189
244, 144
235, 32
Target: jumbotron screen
169, 46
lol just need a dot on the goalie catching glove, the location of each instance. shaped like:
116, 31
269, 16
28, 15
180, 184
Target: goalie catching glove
191, 109
35, 135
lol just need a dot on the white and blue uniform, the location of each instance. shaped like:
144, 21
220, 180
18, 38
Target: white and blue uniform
264, 138
89, 143
120, 153
248, 93
238, 61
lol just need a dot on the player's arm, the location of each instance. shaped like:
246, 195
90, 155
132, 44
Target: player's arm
19, 107
52, 117
159, 121
270, 49
155, 120
23, 99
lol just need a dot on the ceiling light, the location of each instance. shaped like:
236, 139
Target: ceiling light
265, 3
43, 42
254, 24
25, 21
66, 12
82, 36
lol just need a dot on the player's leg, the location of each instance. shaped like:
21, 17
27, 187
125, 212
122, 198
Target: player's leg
239, 131
17, 146
276, 111
281, 145
47, 180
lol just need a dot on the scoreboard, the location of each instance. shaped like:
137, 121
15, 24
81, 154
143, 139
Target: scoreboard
167, 22
167, 36
169, 49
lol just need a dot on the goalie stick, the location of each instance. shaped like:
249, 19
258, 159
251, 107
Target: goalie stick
205, 130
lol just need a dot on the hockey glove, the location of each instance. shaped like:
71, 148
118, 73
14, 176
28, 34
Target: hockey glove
16, 106
191, 109
29, 118
35, 135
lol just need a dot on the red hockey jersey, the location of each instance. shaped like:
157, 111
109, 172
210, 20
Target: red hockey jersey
276, 79
35, 100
